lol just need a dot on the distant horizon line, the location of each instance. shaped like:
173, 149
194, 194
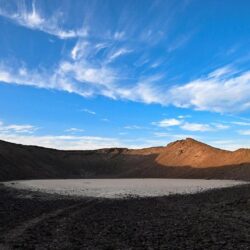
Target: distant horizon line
128, 148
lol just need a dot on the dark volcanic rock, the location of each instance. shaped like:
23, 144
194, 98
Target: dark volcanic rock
181, 159
218, 219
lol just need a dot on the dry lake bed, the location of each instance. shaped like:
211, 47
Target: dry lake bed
216, 219
120, 188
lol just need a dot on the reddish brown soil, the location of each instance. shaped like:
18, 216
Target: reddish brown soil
181, 159
196, 154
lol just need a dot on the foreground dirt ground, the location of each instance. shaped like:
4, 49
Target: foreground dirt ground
218, 219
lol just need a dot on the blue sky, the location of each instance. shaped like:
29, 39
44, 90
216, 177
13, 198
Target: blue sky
92, 74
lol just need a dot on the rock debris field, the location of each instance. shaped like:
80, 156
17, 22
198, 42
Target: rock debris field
214, 219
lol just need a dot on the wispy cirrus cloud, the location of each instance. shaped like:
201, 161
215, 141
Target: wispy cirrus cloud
184, 116
26, 134
146, 90
230, 144
206, 93
220, 126
89, 111
173, 122
74, 130
168, 123
203, 127
114, 55
132, 127
244, 132
32, 18
196, 127
40, 79
222, 72
80, 49
189, 126
87, 75
180, 41
87, 79
105, 120
119, 35
70, 139
66, 142
17, 128
162, 134
240, 123
173, 136
83, 79
85, 72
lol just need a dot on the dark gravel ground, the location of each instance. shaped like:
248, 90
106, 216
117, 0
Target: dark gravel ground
218, 219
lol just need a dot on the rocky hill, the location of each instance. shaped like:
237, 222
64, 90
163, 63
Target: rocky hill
181, 159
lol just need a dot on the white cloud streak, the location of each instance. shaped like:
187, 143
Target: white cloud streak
66, 142
244, 132
188, 126
230, 144
220, 126
120, 52
174, 136
17, 128
87, 77
89, 111
25, 134
196, 127
34, 20
168, 123
241, 123
78, 50
119, 35
221, 91
74, 130
134, 127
